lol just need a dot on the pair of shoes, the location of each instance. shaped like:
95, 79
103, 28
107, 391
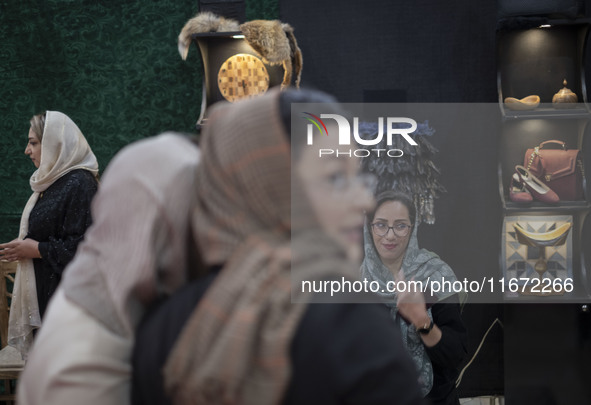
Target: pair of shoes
525, 187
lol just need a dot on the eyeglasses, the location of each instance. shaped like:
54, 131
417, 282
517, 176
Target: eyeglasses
381, 229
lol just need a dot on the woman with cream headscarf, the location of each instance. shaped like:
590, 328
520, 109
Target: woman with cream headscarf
138, 249
53, 222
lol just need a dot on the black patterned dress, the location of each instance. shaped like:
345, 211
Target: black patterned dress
58, 222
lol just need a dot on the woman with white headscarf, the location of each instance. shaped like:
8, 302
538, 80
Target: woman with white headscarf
138, 249
53, 222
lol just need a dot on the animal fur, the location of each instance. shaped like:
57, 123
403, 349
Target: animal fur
203, 22
273, 40
275, 43
296, 54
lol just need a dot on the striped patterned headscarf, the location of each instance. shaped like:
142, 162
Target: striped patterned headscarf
235, 346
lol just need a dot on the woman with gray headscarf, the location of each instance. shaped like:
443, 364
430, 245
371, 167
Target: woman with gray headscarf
432, 331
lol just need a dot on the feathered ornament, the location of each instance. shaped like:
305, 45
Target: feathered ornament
414, 173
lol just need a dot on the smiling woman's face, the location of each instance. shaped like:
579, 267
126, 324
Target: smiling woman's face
33, 149
337, 193
391, 247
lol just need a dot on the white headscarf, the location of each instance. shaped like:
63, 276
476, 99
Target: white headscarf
63, 149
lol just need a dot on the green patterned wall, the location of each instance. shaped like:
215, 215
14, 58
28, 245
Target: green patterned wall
112, 66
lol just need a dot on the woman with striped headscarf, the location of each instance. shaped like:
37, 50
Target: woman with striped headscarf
268, 217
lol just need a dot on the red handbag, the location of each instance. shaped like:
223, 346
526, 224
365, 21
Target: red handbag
560, 169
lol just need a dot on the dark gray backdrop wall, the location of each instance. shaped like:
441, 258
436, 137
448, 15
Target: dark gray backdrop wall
425, 51
112, 66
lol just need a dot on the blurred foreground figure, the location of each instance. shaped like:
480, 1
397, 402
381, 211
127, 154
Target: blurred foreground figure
235, 336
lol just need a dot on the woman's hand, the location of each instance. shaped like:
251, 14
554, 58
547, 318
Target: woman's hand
411, 305
18, 249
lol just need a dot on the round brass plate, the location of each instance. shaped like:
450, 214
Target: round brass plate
242, 76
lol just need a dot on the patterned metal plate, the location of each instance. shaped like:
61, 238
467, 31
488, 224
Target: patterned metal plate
242, 76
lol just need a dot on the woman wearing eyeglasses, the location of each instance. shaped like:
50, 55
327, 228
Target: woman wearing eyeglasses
430, 321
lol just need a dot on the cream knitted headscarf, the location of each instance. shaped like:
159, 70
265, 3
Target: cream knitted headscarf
136, 249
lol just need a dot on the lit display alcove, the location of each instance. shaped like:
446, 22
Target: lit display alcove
232, 70
536, 61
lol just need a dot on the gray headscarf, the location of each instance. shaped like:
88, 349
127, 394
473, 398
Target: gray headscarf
420, 265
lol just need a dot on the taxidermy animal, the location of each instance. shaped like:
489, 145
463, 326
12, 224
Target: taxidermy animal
273, 40
275, 43
204, 22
